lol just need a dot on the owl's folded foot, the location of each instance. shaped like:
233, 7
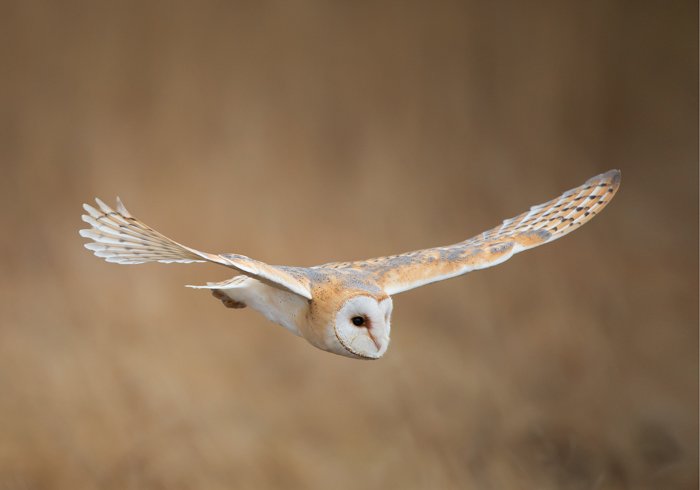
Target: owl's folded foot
226, 300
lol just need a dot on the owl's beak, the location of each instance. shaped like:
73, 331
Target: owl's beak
376, 342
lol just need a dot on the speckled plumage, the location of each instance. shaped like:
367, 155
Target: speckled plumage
313, 302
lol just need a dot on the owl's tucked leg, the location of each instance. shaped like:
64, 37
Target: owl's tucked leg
227, 300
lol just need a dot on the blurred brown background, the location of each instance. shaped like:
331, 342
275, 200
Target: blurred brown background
305, 132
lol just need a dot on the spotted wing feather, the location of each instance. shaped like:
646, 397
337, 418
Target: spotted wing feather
541, 224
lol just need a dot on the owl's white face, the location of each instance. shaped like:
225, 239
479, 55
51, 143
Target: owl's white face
362, 326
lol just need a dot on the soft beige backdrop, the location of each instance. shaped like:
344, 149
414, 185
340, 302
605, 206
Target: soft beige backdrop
311, 131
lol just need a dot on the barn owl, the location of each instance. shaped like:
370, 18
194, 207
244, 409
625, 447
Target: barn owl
345, 307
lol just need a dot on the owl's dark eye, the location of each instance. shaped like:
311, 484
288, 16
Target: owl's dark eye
358, 321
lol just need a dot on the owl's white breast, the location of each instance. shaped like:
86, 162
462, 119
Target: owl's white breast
278, 306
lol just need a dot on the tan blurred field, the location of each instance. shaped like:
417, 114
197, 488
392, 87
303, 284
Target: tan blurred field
305, 132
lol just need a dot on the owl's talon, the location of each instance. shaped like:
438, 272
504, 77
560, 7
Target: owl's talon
226, 300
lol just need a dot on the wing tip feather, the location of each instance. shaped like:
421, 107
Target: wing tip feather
121, 208
614, 176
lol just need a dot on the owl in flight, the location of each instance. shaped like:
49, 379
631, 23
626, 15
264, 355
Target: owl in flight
345, 307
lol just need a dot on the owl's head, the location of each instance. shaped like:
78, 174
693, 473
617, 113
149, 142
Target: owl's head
361, 327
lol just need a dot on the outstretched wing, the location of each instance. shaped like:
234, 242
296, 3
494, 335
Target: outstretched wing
541, 224
119, 237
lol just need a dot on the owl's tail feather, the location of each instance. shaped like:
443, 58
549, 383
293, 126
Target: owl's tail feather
233, 283
119, 237
218, 290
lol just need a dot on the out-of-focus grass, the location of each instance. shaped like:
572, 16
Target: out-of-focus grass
300, 134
